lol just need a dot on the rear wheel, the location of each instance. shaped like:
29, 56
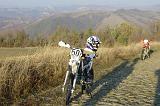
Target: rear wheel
143, 54
92, 74
83, 87
88, 89
148, 53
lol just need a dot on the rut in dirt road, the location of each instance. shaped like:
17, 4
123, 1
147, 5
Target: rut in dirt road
133, 82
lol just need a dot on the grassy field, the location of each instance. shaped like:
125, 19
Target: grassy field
12, 52
24, 78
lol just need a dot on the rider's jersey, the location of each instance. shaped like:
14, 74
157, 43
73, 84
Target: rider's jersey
89, 53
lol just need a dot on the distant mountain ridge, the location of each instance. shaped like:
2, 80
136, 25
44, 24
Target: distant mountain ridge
83, 20
44, 21
78, 21
18, 17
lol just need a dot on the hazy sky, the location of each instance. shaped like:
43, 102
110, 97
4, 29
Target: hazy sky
52, 3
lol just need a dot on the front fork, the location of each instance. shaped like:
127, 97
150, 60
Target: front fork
65, 81
66, 77
73, 78
74, 82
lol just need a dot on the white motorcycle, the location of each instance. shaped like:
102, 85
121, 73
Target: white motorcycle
145, 53
78, 68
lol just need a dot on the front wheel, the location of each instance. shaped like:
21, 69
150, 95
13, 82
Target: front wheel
69, 89
68, 94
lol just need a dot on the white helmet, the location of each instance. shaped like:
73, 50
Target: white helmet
145, 41
93, 43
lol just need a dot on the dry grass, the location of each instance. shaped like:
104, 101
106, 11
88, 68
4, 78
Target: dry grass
25, 75
9, 52
21, 77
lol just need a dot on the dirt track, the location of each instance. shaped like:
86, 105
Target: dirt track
132, 83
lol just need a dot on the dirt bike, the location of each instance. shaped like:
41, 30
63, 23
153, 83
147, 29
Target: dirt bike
145, 53
77, 72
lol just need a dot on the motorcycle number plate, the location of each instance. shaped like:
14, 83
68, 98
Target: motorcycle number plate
76, 53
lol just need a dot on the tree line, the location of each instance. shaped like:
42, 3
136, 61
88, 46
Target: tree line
123, 34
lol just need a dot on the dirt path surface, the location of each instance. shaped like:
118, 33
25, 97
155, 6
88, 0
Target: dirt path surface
132, 83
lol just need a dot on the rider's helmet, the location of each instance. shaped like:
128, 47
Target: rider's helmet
145, 41
93, 43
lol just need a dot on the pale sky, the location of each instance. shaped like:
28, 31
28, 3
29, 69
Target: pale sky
52, 3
